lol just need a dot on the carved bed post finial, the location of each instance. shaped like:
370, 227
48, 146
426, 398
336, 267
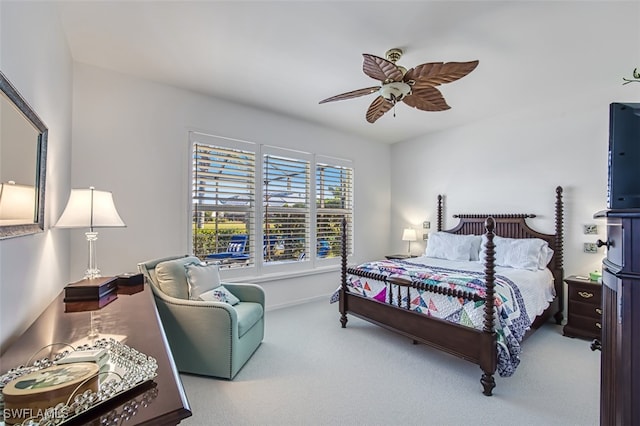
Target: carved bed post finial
487, 380
439, 212
343, 277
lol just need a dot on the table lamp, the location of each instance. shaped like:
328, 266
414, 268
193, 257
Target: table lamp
90, 208
409, 234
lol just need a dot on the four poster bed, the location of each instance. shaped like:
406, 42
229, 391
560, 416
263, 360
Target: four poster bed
482, 286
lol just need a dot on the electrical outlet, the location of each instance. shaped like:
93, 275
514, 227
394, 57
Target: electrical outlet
425, 236
590, 229
426, 224
590, 248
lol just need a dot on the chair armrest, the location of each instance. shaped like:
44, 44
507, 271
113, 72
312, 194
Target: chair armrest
246, 292
205, 309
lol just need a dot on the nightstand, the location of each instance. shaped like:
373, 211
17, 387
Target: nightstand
584, 316
400, 256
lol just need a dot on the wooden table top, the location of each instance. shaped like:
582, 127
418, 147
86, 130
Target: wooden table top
133, 315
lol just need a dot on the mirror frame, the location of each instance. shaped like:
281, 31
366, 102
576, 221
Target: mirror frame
10, 231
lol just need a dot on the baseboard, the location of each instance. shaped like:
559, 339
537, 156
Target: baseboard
299, 302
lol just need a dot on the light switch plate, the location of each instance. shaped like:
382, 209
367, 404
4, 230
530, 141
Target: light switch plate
590, 248
590, 229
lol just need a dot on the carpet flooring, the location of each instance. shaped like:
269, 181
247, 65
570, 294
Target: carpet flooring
310, 371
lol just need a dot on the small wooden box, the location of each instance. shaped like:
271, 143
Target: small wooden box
31, 394
89, 305
129, 279
90, 289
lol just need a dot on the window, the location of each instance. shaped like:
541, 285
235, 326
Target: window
334, 202
223, 197
285, 213
262, 195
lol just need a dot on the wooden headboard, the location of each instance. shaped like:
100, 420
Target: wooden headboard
515, 226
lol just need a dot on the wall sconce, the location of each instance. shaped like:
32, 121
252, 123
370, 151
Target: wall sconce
89, 208
409, 234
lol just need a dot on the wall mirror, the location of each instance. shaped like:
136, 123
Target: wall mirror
23, 156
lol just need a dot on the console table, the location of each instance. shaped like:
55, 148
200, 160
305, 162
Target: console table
133, 314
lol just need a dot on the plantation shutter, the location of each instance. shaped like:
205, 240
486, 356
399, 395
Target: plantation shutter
286, 217
334, 201
222, 198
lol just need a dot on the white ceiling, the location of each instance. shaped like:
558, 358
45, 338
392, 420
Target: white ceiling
285, 56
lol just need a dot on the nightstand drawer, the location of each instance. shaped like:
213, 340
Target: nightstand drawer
589, 326
585, 309
586, 294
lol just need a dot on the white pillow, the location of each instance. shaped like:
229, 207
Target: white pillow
476, 242
444, 245
519, 253
201, 278
219, 294
171, 277
545, 256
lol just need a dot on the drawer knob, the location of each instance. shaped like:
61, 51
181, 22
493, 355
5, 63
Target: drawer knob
585, 294
601, 243
596, 345
598, 325
599, 311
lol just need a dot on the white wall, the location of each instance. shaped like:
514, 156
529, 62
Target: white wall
513, 164
130, 137
34, 56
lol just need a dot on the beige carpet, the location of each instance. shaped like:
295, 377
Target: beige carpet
309, 371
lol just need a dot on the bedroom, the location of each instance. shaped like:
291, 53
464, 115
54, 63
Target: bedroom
106, 127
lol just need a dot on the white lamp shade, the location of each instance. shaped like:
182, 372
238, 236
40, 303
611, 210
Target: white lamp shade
409, 234
90, 208
17, 202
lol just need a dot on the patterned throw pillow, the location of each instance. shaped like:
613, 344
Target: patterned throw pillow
219, 294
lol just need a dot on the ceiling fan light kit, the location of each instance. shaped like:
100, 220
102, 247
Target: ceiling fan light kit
395, 91
416, 87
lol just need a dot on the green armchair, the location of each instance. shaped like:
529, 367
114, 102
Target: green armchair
206, 337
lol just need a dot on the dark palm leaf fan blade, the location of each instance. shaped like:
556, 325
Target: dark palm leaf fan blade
380, 69
352, 94
436, 73
377, 109
426, 99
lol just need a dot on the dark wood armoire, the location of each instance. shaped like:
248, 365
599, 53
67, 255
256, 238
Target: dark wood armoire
620, 344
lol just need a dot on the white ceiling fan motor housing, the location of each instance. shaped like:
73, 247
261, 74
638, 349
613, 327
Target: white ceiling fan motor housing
395, 91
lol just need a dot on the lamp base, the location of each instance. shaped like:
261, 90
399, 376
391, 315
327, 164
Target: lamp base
90, 274
92, 267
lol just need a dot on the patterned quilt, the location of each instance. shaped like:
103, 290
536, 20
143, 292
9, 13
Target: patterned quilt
512, 319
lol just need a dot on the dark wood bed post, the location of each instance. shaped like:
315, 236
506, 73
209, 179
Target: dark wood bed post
489, 365
559, 254
343, 278
439, 228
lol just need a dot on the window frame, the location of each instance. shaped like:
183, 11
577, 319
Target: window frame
258, 267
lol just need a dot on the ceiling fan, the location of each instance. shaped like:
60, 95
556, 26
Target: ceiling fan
415, 87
